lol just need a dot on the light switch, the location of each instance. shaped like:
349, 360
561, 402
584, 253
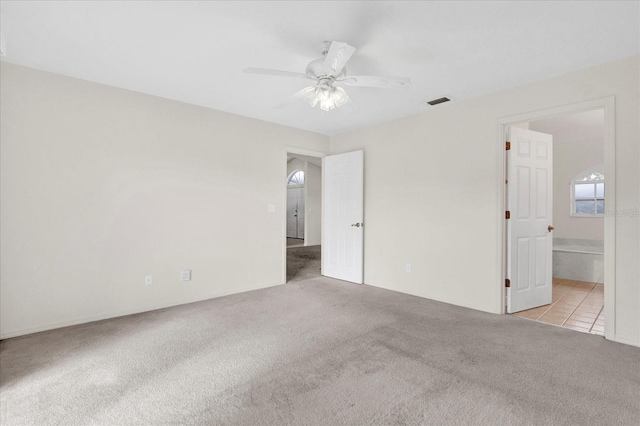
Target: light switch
186, 275
272, 208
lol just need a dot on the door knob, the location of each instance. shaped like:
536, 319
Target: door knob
357, 225
550, 228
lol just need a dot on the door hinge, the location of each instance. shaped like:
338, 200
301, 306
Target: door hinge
507, 214
508, 145
507, 282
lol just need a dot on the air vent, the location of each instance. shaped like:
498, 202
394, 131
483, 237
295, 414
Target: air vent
438, 101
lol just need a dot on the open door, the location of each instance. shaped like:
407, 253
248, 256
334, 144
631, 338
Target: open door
295, 212
529, 219
343, 208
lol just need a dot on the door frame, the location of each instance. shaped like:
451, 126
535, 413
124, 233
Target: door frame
283, 216
503, 123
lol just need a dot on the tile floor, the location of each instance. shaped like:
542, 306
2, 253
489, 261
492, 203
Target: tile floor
577, 305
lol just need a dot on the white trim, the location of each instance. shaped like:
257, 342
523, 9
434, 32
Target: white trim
608, 104
308, 153
169, 304
610, 221
626, 340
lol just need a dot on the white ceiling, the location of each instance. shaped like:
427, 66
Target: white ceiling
195, 52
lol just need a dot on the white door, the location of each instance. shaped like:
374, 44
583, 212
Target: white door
300, 213
295, 212
529, 202
343, 208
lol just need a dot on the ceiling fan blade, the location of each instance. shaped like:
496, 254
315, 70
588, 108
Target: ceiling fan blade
378, 81
279, 73
337, 56
307, 94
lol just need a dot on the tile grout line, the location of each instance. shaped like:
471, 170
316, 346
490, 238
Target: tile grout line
594, 321
576, 308
547, 310
580, 304
563, 296
599, 313
554, 303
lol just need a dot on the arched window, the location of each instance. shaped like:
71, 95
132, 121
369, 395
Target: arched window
587, 193
296, 178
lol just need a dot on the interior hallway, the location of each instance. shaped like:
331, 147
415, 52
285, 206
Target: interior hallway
302, 262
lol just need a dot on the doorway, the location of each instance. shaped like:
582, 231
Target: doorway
295, 207
583, 156
303, 227
333, 216
576, 239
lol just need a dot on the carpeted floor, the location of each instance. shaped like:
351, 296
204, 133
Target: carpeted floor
318, 351
303, 263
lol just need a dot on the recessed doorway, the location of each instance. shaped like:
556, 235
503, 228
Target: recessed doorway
578, 222
581, 291
303, 216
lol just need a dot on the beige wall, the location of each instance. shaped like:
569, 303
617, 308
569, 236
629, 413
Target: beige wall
577, 146
569, 159
432, 192
296, 164
102, 186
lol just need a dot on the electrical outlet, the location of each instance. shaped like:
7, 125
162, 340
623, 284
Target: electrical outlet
148, 280
407, 267
186, 275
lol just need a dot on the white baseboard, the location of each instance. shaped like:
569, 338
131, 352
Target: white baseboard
626, 340
76, 321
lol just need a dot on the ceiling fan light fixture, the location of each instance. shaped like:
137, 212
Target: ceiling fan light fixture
339, 96
327, 104
331, 97
326, 95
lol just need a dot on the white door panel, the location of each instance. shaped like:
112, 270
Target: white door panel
529, 200
343, 208
295, 212
300, 212
292, 220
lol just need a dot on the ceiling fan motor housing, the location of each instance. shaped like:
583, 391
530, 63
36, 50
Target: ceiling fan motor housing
318, 69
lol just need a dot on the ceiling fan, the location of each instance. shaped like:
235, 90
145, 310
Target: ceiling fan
329, 73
